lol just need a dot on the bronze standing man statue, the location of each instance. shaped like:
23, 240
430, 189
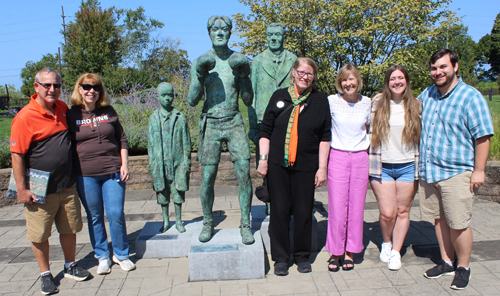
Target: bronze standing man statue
221, 75
169, 149
270, 71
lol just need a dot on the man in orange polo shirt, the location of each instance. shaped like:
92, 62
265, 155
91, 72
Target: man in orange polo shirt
40, 140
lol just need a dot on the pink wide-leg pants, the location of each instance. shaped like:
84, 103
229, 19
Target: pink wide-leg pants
347, 185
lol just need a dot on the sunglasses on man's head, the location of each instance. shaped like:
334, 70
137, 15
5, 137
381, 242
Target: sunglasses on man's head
49, 85
87, 87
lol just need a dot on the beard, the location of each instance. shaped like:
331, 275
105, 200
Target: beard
445, 82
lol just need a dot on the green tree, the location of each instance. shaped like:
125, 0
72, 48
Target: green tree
93, 41
456, 37
489, 52
164, 61
482, 54
372, 34
13, 92
31, 68
136, 34
494, 55
119, 79
117, 44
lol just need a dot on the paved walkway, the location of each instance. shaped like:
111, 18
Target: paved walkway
19, 273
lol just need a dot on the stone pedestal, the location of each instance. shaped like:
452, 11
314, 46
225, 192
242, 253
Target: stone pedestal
153, 244
225, 257
257, 215
264, 231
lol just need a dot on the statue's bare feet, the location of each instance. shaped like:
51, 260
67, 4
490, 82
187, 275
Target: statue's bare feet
165, 227
180, 227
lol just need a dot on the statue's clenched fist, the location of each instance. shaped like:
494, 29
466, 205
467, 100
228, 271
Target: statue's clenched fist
240, 64
204, 64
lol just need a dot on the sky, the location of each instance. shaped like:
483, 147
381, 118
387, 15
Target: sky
30, 29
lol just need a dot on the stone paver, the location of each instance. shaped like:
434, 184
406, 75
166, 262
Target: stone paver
19, 274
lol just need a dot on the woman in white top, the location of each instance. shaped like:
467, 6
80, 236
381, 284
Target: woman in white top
395, 133
347, 168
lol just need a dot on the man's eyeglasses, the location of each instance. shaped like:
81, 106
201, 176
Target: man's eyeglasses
49, 85
88, 87
302, 73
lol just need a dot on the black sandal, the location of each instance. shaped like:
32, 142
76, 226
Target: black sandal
333, 261
347, 262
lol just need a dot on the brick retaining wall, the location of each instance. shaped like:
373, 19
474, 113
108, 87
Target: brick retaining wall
141, 179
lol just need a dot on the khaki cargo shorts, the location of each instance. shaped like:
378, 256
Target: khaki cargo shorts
450, 199
62, 207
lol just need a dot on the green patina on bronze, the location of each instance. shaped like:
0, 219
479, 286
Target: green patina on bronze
169, 150
221, 76
270, 71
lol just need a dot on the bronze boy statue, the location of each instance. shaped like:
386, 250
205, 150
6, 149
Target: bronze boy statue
169, 149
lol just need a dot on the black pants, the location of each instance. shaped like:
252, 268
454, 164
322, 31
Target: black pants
291, 193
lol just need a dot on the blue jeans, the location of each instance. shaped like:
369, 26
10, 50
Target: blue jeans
99, 193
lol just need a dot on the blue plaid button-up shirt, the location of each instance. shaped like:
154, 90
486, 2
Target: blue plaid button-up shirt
450, 126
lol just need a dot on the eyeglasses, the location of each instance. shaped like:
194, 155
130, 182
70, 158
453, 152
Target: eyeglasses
49, 85
88, 87
302, 73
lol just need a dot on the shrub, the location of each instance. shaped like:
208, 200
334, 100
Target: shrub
5, 159
495, 140
181, 89
134, 109
65, 95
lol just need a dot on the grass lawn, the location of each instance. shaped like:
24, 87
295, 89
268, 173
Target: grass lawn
5, 122
494, 105
244, 113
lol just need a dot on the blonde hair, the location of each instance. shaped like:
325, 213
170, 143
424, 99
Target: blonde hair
412, 107
344, 73
94, 79
306, 61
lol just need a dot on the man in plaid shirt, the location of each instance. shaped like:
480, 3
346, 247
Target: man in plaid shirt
454, 147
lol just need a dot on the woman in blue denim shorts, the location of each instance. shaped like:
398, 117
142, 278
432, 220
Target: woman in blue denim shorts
100, 154
395, 132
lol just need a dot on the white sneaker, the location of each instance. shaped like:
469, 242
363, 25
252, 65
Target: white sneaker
104, 266
394, 262
125, 264
385, 252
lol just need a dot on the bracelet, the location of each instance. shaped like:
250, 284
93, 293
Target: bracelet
263, 157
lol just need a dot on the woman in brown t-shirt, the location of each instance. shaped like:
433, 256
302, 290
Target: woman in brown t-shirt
100, 155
